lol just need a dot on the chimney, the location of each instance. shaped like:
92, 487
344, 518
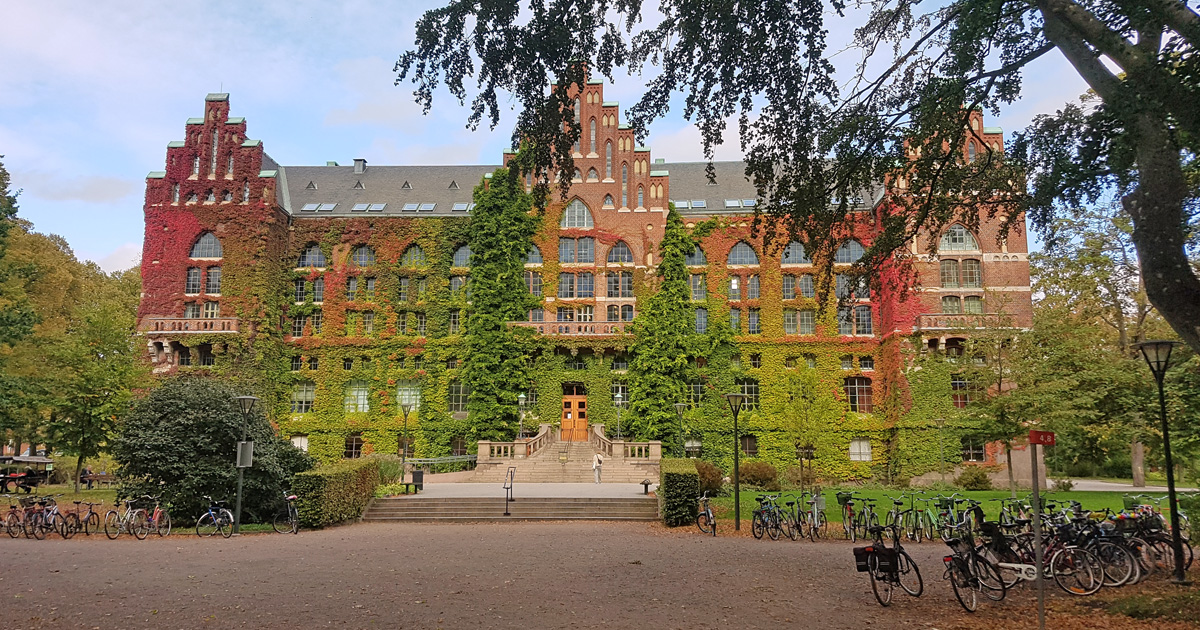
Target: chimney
360, 166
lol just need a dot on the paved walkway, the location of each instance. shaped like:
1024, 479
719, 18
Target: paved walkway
535, 490
1095, 485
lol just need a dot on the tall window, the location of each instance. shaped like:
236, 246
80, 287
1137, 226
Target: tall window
297, 325
698, 286
950, 273
207, 246
303, 394
318, 290
619, 253
735, 320
790, 322
951, 304
850, 252
357, 394
212, 281
608, 160
972, 278
533, 282
585, 285
354, 446
701, 320
794, 254
624, 184
862, 321
566, 285
752, 324
749, 388
960, 391
858, 394
576, 215
409, 392
752, 288
860, 450
368, 322
457, 285
592, 137
845, 320
973, 450
457, 397
641, 198
312, 256
192, 285
735, 288
696, 257
971, 151
957, 238
742, 254
462, 256
973, 305
404, 295
626, 312
364, 256
807, 322
414, 256
534, 257
695, 391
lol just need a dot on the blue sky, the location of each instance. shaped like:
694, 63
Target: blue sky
90, 95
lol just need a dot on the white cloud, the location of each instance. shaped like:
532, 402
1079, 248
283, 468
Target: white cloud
64, 187
123, 257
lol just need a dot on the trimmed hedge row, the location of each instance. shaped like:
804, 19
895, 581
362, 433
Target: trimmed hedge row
678, 491
335, 492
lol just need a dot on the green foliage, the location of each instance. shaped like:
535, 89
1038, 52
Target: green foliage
16, 313
975, 478
497, 359
759, 474
678, 491
181, 439
337, 492
390, 490
390, 467
711, 477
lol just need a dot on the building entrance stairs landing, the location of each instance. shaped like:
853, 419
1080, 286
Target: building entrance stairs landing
547, 459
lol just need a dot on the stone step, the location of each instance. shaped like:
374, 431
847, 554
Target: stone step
502, 518
417, 509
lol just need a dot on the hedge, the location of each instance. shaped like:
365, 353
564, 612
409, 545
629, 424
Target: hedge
1190, 505
678, 491
335, 492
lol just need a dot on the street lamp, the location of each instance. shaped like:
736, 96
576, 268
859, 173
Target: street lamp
405, 407
617, 397
679, 409
521, 398
735, 405
1158, 357
245, 456
941, 424
804, 454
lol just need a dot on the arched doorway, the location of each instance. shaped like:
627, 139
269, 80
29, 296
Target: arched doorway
574, 413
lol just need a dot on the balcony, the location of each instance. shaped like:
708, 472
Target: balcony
152, 325
576, 329
960, 321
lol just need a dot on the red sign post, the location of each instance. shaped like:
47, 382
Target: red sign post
1045, 438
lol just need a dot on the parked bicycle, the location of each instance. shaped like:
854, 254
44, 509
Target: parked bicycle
216, 519
129, 521
705, 520
815, 519
288, 520
970, 573
888, 567
157, 520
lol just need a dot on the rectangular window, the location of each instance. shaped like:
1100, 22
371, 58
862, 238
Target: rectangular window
422, 288
369, 294
845, 319
701, 320
357, 394
960, 391
585, 285
752, 288
206, 355
454, 322
368, 322
847, 362
620, 394
403, 295
192, 286
566, 250
420, 324
585, 250
298, 326
352, 289
789, 287
212, 285
565, 314
749, 389
620, 362
862, 321
533, 282
789, 322
297, 363
860, 450
537, 315
949, 269
973, 450
354, 445
626, 284
699, 288
735, 288
752, 325
866, 364
973, 304
807, 323
315, 319
584, 314
806, 286
212, 310
191, 310
695, 391
319, 290
457, 397
613, 284
858, 394
951, 305
566, 285
735, 320
749, 445
456, 285
303, 394
300, 294
971, 276
313, 363
409, 392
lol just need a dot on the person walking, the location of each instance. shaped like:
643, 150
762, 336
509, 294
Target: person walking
597, 464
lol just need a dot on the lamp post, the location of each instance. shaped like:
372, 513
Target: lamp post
617, 398
804, 454
679, 409
1158, 357
521, 398
245, 457
941, 424
405, 407
735, 405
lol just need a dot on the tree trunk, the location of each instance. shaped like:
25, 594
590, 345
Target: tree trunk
1012, 480
78, 471
1137, 455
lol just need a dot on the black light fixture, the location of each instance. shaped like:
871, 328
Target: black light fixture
406, 408
1158, 356
735, 406
521, 398
245, 456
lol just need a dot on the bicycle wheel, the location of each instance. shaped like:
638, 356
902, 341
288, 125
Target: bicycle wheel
283, 523
991, 583
909, 575
964, 587
207, 525
163, 526
1010, 577
225, 518
91, 523
1076, 571
774, 527
139, 524
35, 526
12, 524
757, 526
881, 583
112, 525
73, 524
1116, 562
822, 527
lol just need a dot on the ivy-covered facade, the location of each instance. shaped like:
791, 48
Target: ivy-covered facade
342, 294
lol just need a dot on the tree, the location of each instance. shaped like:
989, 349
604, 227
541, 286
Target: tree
903, 114
661, 330
16, 314
498, 355
181, 440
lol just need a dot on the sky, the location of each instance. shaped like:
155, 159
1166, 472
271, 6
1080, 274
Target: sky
91, 93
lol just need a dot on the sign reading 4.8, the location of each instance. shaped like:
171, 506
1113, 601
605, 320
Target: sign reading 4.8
1045, 438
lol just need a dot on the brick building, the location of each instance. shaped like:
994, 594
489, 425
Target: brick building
343, 290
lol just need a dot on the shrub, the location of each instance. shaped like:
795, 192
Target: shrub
711, 477
389, 467
389, 490
1190, 505
335, 492
1063, 484
759, 474
678, 491
973, 478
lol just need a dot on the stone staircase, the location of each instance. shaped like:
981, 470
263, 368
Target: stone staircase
566, 462
418, 509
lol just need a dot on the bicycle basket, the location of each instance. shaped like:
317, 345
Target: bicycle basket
861, 555
27, 501
960, 545
844, 497
944, 504
819, 502
1129, 502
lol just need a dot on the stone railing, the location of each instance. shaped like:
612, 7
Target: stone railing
622, 450
599, 441
575, 328
957, 321
520, 449
188, 325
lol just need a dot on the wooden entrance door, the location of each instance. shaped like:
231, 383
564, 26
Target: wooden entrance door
574, 418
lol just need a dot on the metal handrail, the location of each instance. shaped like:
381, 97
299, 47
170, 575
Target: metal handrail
450, 459
508, 487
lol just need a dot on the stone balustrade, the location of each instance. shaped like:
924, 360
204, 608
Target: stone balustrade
587, 329
153, 325
621, 450
957, 321
519, 449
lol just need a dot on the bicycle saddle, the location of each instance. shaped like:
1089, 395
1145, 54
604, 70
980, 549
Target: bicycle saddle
875, 529
897, 502
291, 497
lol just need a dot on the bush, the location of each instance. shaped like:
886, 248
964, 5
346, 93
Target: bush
389, 467
973, 478
759, 474
1190, 505
1063, 484
180, 441
711, 477
678, 491
335, 492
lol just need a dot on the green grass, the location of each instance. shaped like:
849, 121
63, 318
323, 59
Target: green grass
1183, 605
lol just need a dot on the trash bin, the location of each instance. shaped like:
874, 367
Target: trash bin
418, 477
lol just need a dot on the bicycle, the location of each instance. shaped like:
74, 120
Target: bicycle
818, 524
87, 523
705, 520
130, 521
970, 573
288, 519
14, 523
157, 519
216, 519
888, 567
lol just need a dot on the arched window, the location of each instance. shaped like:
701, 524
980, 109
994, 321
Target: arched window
794, 254
608, 160
246, 192
624, 184
207, 246
592, 141
951, 304
534, 257
364, 256
858, 394
620, 253
414, 256
957, 238
696, 257
641, 198
578, 176
973, 305
850, 252
593, 175
312, 256
971, 151
742, 254
462, 257
576, 215
608, 200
